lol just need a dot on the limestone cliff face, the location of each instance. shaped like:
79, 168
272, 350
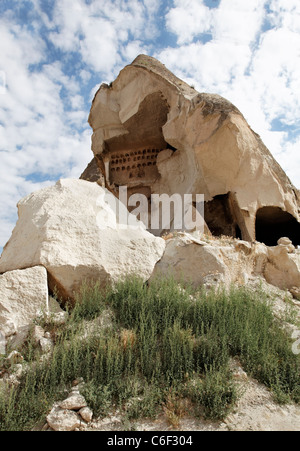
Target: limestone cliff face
155, 134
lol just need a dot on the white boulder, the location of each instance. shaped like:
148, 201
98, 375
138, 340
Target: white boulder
186, 260
225, 261
63, 420
23, 296
283, 267
78, 231
86, 414
75, 401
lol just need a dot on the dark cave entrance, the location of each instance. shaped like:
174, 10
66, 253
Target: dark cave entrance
220, 215
273, 223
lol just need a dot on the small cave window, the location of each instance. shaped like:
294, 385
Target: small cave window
171, 147
219, 217
238, 232
272, 223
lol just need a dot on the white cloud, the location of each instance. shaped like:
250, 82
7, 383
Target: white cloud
234, 20
188, 19
85, 75
234, 27
132, 49
285, 14
289, 159
36, 133
238, 21
103, 32
276, 70
43, 115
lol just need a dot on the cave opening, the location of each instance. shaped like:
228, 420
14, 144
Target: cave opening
238, 232
272, 223
220, 217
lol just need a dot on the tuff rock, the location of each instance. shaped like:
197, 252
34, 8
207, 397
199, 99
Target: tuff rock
155, 134
227, 261
86, 413
24, 295
73, 231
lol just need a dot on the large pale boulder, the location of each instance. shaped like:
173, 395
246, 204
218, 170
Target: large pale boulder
188, 261
23, 296
206, 263
283, 267
78, 231
215, 262
155, 134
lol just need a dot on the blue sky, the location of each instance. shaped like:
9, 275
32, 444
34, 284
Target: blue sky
54, 54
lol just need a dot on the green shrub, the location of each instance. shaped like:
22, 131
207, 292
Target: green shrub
215, 394
165, 337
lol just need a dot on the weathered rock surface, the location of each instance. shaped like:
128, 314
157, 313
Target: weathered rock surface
71, 413
37, 333
46, 345
295, 291
155, 134
228, 261
283, 266
63, 420
75, 401
73, 231
55, 315
14, 358
187, 260
23, 296
86, 413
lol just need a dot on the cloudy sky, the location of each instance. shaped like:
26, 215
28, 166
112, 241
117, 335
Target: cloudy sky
54, 54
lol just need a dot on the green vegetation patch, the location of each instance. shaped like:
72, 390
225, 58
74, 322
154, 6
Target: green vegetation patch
167, 349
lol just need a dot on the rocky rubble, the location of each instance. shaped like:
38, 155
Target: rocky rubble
228, 261
71, 414
255, 411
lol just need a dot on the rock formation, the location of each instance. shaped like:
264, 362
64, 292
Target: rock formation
23, 296
73, 231
70, 414
224, 261
155, 134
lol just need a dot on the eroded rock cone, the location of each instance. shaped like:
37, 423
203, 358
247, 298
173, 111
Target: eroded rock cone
156, 134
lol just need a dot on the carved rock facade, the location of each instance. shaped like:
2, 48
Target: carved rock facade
155, 134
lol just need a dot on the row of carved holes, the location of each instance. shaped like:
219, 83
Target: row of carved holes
137, 152
149, 154
128, 168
